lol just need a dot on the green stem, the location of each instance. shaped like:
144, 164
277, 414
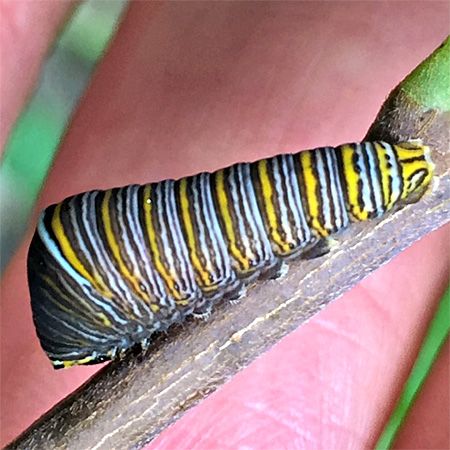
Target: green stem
419, 107
436, 336
429, 84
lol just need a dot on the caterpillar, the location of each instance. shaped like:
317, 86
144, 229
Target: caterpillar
106, 269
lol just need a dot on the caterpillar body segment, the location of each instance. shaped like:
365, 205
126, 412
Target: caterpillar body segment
108, 268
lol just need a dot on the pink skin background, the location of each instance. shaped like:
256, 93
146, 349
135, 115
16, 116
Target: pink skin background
188, 87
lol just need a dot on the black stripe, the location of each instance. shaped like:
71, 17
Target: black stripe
365, 153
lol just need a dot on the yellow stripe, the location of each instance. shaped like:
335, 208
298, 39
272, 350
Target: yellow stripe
114, 246
170, 282
104, 319
385, 174
405, 152
352, 178
101, 317
48, 280
71, 256
267, 192
191, 240
66, 248
226, 217
311, 184
68, 338
76, 362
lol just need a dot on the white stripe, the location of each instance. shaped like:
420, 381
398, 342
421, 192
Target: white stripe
54, 251
376, 182
218, 242
303, 232
364, 177
76, 330
157, 288
106, 307
115, 281
90, 226
121, 214
254, 218
342, 219
323, 182
284, 219
167, 206
77, 232
396, 185
196, 186
241, 216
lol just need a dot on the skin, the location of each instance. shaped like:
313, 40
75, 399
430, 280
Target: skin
190, 87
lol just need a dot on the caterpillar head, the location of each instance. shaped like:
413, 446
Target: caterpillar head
416, 169
379, 176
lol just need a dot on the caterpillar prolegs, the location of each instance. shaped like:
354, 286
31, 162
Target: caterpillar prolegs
106, 269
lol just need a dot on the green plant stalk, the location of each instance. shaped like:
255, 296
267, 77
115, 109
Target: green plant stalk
419, 107
429, 83
435, 338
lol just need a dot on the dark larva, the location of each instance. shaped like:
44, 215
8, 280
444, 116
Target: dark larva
106, 269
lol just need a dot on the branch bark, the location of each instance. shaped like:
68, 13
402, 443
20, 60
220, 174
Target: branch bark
130, 402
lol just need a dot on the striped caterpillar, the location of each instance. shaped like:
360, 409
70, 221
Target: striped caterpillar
107, 269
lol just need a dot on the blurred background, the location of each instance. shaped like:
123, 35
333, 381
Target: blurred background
35, 138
